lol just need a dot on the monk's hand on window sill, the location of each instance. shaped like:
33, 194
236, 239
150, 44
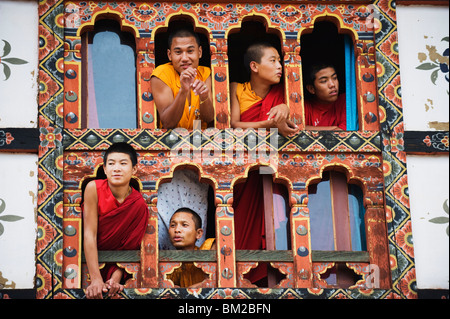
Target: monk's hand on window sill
113, 287
279, 113
287, 128
96, 289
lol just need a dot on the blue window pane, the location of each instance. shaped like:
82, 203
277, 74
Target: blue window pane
112, 83
321, 217
281, 219
350, 85
356, 210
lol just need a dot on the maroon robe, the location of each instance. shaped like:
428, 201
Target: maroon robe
317, 114
121, 226
258, 111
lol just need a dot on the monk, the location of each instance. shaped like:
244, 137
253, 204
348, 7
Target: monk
327, 109
258, 103
115, 217
184, 230
182, 88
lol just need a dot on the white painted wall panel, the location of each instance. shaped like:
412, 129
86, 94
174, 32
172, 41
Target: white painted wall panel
422, 42
428, 179
18, 200
19, 93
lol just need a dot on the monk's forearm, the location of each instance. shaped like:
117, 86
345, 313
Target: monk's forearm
173, 112
255, 125
207, 110
117, 275
91, 255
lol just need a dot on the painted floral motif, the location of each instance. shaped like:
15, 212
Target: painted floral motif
228, 293
290, 14
405, 239
50, 137
395, 144
393, 91
44, 5
390, 47
45, 39
5, 138
388, 7
47, 87
435, 61
6, 61
438, 141
43, 282
400, 191
46, 186
408, 284
45, 234
391, 169
6, 218
145, 12
442, 219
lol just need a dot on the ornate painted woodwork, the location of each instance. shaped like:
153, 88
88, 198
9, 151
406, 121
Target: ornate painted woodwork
372, 156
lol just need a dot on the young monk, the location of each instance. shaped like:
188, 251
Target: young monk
182, 88
260, 103
115, 217
327, 109
184, 230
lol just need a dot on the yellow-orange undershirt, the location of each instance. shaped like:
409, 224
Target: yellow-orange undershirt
168, 74
246, 96
188, 275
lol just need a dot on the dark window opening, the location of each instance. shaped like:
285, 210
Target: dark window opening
161, 43
273, 278
250, 32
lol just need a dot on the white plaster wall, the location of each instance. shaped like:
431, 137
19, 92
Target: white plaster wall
18, 94
423, 102
428, 183
18, 194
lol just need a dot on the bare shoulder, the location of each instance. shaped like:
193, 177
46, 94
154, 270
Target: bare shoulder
90, 192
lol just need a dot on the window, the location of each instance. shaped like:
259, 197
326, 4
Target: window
337, 214
162, 46
186, 191
337, 221
109, 73
162, 37
324, 43
250, 32
261, 221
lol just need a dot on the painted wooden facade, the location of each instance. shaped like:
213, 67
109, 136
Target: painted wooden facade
69, 153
